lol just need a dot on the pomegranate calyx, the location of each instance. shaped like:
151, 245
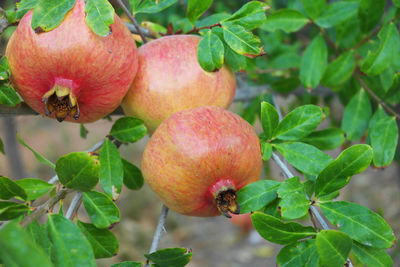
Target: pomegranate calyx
226, 202
60, 100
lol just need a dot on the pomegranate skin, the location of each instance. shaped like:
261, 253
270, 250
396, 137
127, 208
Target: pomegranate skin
98, 70
197, 152
170, 79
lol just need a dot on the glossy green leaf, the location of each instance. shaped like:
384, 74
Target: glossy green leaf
304, 157
78, 170
257, 195
288, 20
370, 13
298, 254
111, 170
166, 257
277, 231
8, 96
11, 210
34, 188
360, 223
290, 186
249, 16
339, 70
22, 7
39, 157
337, 174
151, 6
314, 8
269, 119
370, 256
128, 129
333, 247
2, 147
48, 14
294, 203
325, 139
99, 16
210, 52
10, 189
18, 249
313, 62
128, 264
356, 116
103, 242
83, 131
196, 8
337, 12
377, 61
70, 247
101, 209
266, 150
235, 61
4, 68
396, 3
133, 178
241, 40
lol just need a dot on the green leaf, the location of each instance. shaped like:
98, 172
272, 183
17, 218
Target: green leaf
39, 157
285, 85
111, 170
279, 232
2, 147
294, 203
170, 257
34, 188
313, 62
70, 247
101, 209
337, 13
299, 123
266, 150
152, 6
83, 131
48, 14
297, 254
19, 249
269, 119
15, 15
257, 195
252, 109
290, 186
304, 157
103, 242
356, 116
128, 264
288, 20
339, 70
78, 170
11, 210
372, 256
314, 8
8, 96
99, 16
376, 62
370, 13
196, 8
337, 174
10, 189
396, 3
360, 223
249, 16
242, 41
325, 139
210, 52
128, 129
133, 178
333, 247
4, 68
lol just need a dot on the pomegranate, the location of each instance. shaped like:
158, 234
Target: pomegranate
170, 79
198, 158
70, 72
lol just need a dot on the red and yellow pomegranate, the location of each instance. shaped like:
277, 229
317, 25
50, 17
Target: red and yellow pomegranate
198, 158
70, 72
170, 79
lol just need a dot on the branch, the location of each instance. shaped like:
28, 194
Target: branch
126, 11
196, 30
133, 29
74, 206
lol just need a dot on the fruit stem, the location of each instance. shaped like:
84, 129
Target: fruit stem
226, 202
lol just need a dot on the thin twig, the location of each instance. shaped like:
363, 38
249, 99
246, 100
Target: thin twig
312, 219
133, 29
159, 229
74, 206
196, 30
134, 22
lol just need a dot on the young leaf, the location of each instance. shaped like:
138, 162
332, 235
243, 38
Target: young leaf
249, 16
39, 157
337, 174
196, 8
299, 123
304, 157
313, 62
34, 188
128, 264
102, 210
99, 16
356, 116
103, 242
298, 254
10, 189
133, 178
288, 20
325, 139
333, 247
11, 210
266, 150
269, 119
368, 228
242, 41
178, 257
4, 68
8, 96
48, 14
370, 13
210, 52
314, 8
111, 170
70, 247
372, 256
151, 6
339, 70
337, 12
128, 129
279, 232
257, 195
78, 170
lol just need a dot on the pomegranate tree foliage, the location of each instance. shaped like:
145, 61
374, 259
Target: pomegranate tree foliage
348, 49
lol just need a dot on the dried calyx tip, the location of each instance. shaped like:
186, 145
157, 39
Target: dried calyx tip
61, 101
226, 202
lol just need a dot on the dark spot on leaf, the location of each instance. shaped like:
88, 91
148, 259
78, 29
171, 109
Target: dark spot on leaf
38, 30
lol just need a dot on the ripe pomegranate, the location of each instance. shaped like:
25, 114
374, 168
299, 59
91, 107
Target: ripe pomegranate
70, 72
198, 158
170, 79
